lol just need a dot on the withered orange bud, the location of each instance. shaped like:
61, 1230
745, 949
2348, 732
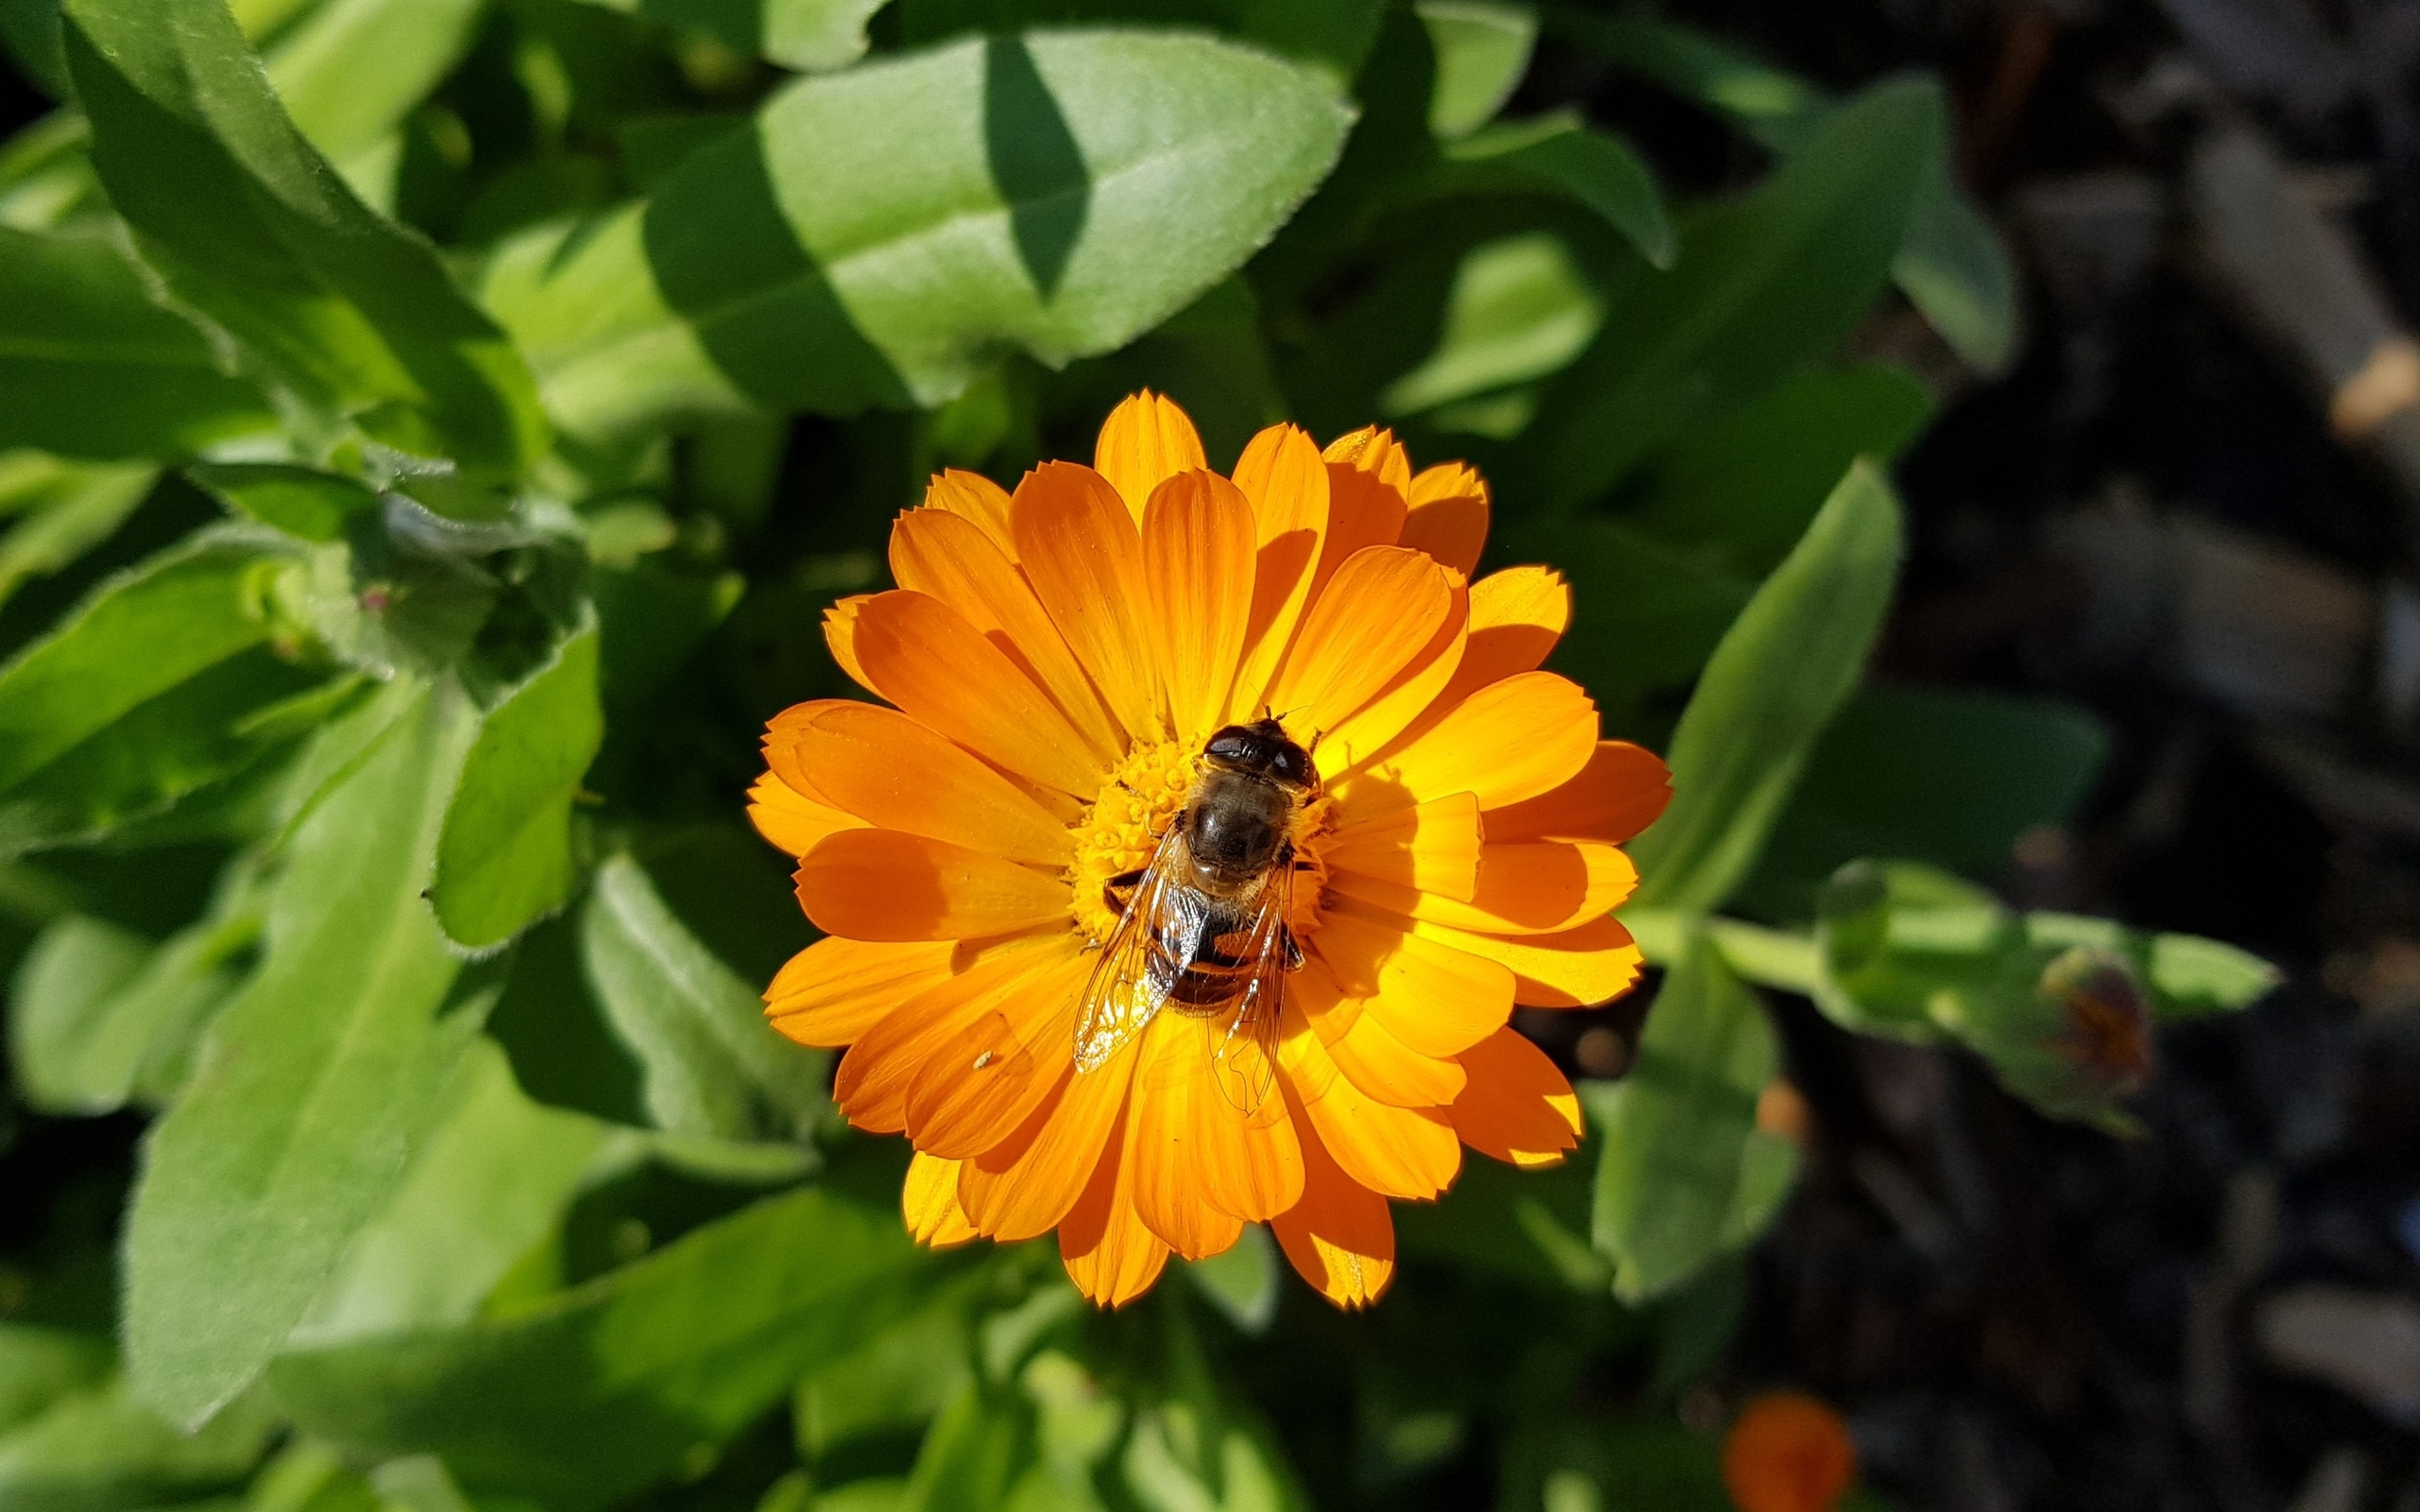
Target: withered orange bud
1787, 1451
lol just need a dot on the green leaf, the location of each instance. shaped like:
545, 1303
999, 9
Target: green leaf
505, 858
601, 1389
318, 1082
812, 35
101, 1015
1783, 668
711, 1064
303, 502
243, 221
1559, 154
1645, 614
1763, 287
1683, 1176
90, 366
1520, 309
491, 1181
39, 1366
1742, 490
2192, 976
1059, 193
1954, 270
900, 1379
1951, 264
63, 509
1334, 38
1242, 1280
351, 70
99, 1450
977, 1450
167, 680
1947, 777
1482, 49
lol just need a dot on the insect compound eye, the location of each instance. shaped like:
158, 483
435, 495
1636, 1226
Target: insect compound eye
1230, 744
1292, 765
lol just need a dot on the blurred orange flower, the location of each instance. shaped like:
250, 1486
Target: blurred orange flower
1335, 1026
1787, 1452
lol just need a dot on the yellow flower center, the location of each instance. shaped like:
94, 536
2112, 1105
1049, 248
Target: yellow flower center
1114, 838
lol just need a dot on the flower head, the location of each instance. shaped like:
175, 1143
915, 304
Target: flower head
1292, 1022
1787, 1451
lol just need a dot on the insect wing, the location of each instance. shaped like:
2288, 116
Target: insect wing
1244, 1058
1141, 962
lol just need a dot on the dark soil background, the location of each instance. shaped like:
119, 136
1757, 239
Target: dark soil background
2017, 1313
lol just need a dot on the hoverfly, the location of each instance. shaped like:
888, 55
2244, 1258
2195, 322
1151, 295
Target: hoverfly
1203, 926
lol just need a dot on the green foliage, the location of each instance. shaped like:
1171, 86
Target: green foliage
1685, 1172
1782, 670
430, 431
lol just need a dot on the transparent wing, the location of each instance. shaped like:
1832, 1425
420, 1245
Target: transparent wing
1152, 946
1243, 1060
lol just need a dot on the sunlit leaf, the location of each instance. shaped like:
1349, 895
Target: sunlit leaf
351, 70
317, 1083
505, 857
101, 1015
1059, 193
492, 1178
611, 1385
711, 1064
1520, 309
240, 215
1482, 49
1684, 1175
1783, 668
90, 366
169, 677
99, 1450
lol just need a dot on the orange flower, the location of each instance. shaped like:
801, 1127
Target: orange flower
1787, 1452
1055, 662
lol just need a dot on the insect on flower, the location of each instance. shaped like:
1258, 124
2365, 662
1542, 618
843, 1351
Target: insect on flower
1211, 833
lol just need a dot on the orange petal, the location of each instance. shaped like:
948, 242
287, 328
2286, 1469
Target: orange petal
1509, 741
1366, 1051
1025, 1185
1110, 1255
1197, 571
870, 1085
1517, 617
978, 499
1577, 968
1438, 1000
791, 819
1203, 1165
979, 1085
1281, 475
1620, 792
937, 553
1431, 847
1406, 699
836, 989
1146, 440
1402, 1152
922, 656
1362, 512
1448, 518
929, 1201
1080, 549
1525, 887
1516, 1107
840, 637
1373, 450
1340, 1236
896, 774
1380, 610
890, 885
